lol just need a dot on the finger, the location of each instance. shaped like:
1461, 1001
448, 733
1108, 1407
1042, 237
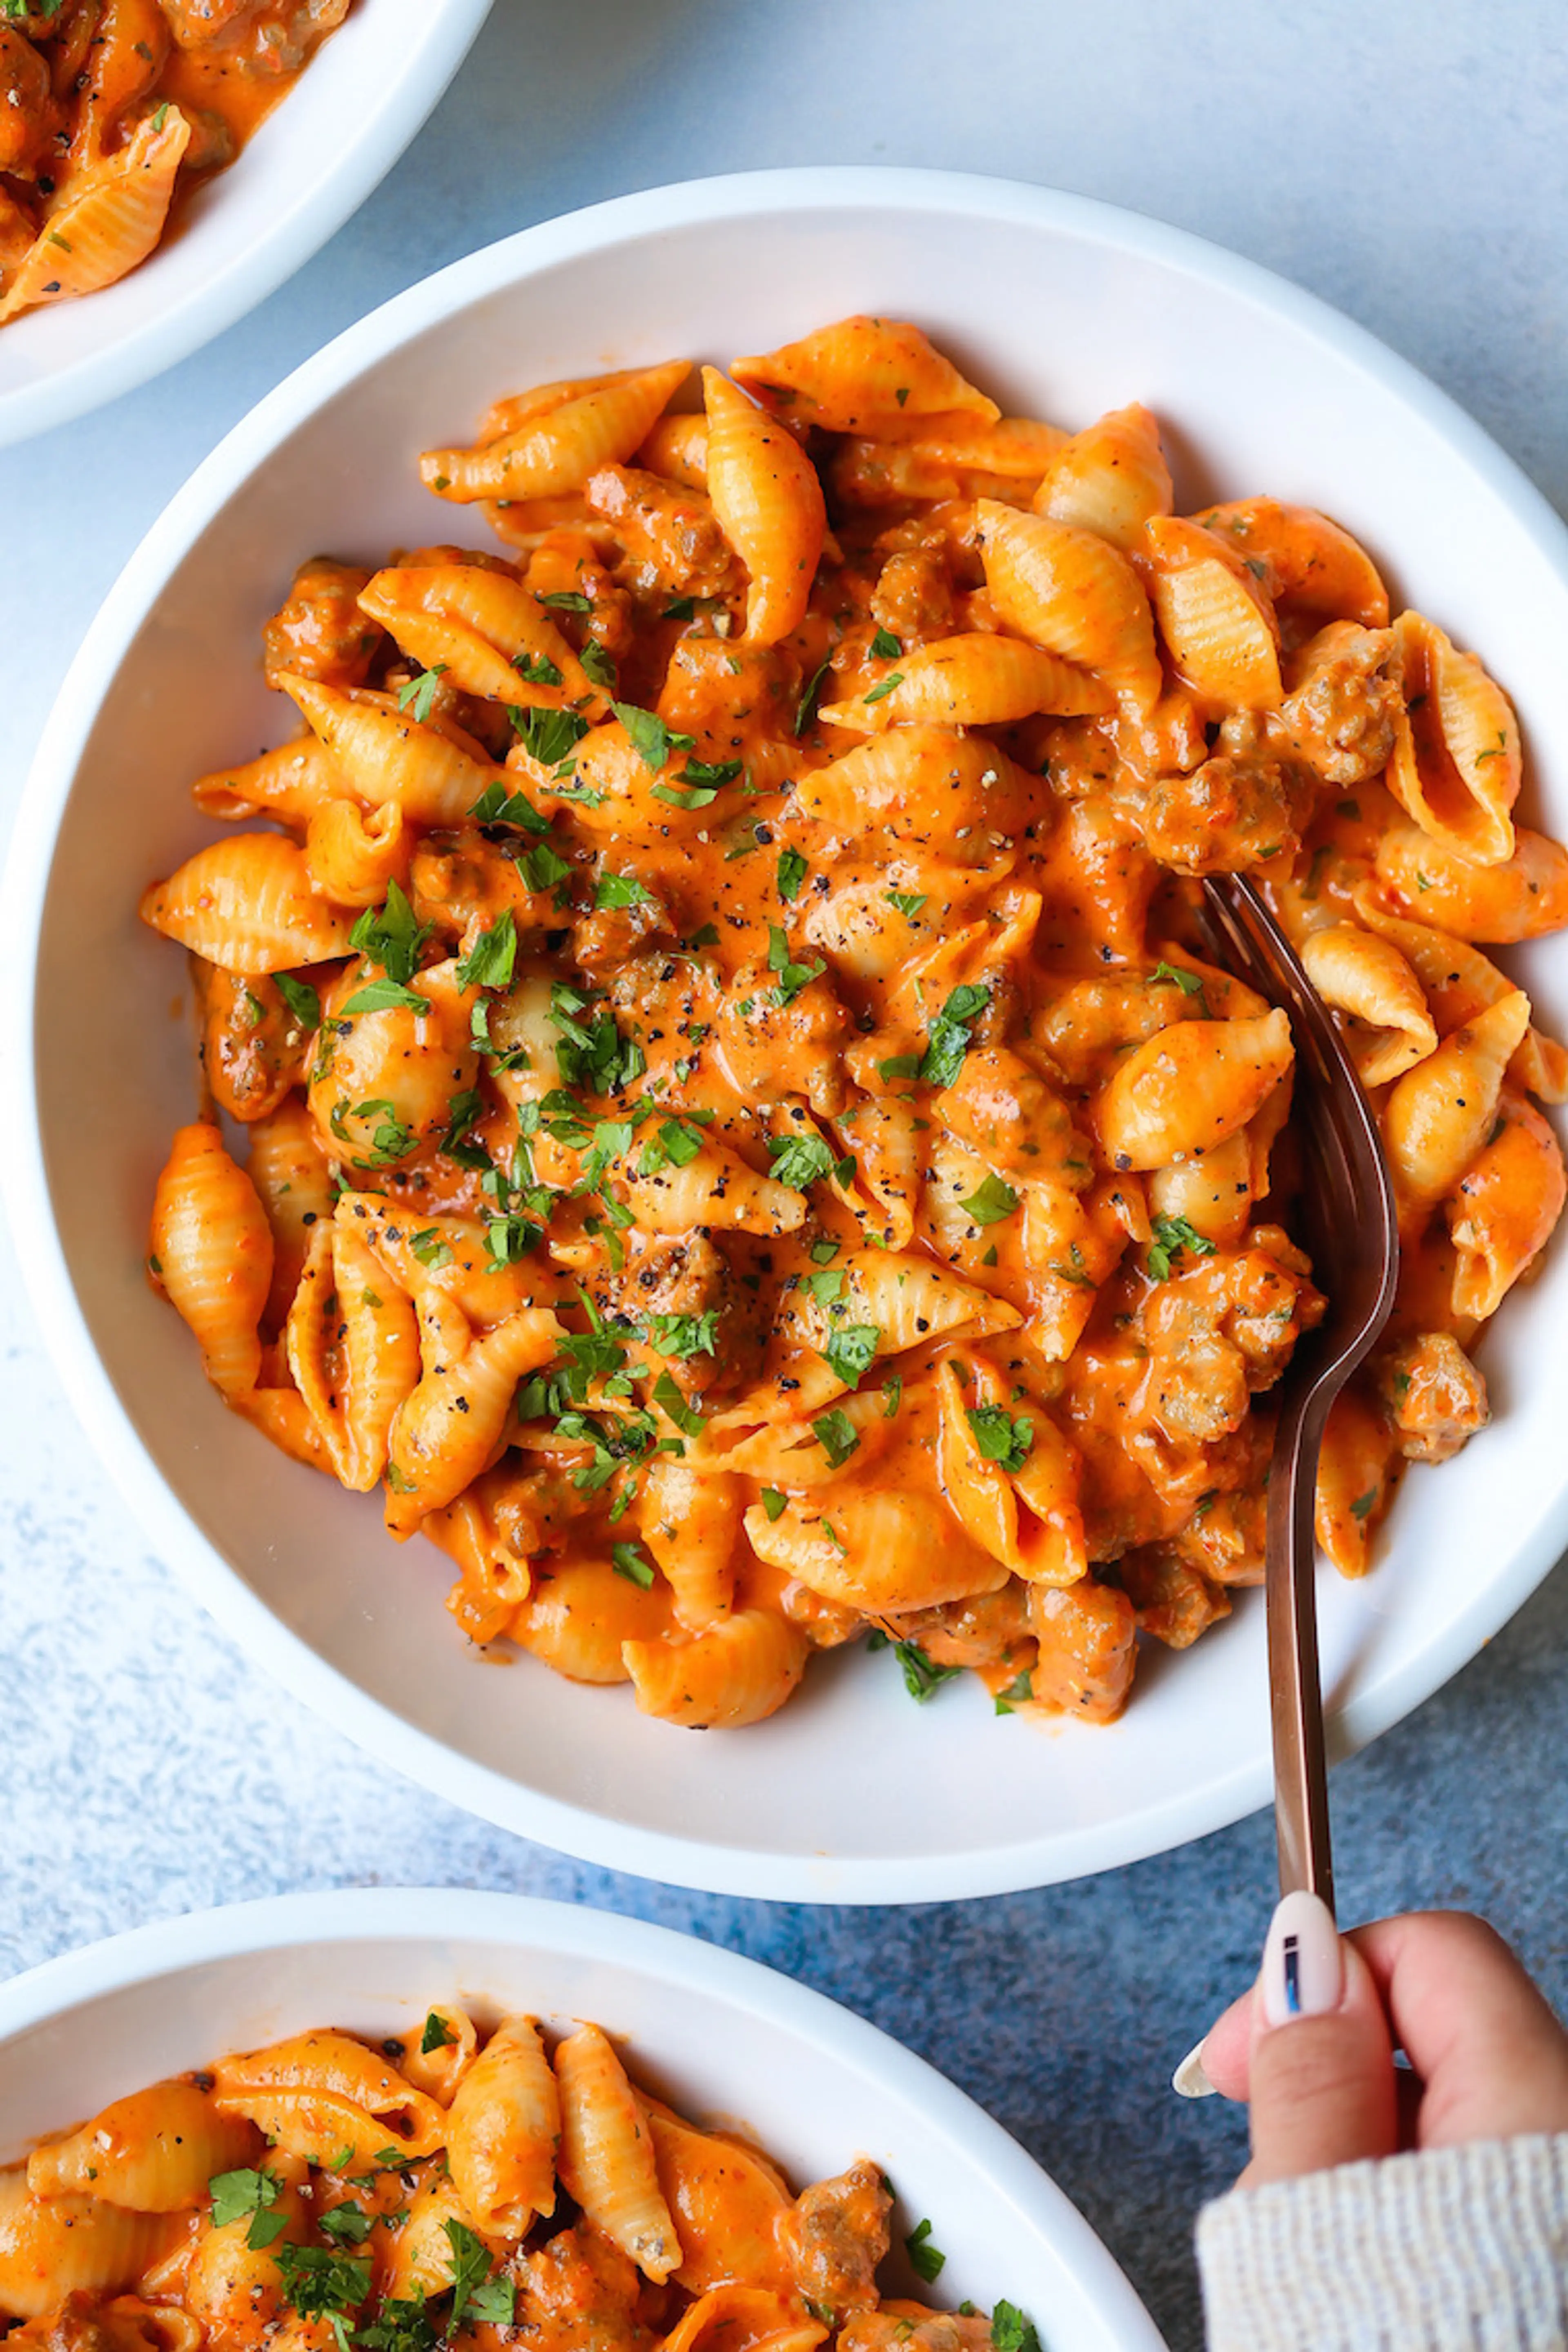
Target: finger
1492, 2057
1222, 2058
1320, 2073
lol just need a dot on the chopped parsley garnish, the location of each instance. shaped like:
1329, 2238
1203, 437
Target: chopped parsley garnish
399, 2326
799, 1161
772, 1502
437, 2035
1172, 1237
620, 890
429, 1249
597, 663
496, 805
389, 1140
346, 2225
1019, 1692
792, 874
390, 936
1175, 975
1010, 2330
536, 669
630, 1561
550, 737
1000, 1438
652, 740
320, 2285
236, 2194
792, 977
880, 692
948, 1041
708, 774
687, 1419
989, 1201
567, 600
1363, 1503
838, 1436
675, 1145
686, 1335
885, 647
491, 962
922, 1677
926, 2261
304, 1003
892, 1395
806, 709
542, 866
592, 1054
511, 1237
908, 902
899, 1065
418, 696
851, 1349
387, 996
473, 2289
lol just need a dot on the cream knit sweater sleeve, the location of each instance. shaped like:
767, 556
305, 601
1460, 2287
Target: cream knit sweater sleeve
1459, 2250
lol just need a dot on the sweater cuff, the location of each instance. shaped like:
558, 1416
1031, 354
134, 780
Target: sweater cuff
1455, 2249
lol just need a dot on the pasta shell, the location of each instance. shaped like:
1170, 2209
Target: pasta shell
292, 784
353, 1348
979, 680
504, 2131
1366, 978
921, 784
743, 2319
1307, 561
954, 458
421, 2259
486, 631
248, 905
52, 2248
212, 1255
154, 2151
333, 2067
736, 1673
716, 1188
549, 452
581, 1617
1088, 1652
440, 2070
678, 449
859, 375
110, 219
873, 1550
1505, 1210
1439, 1116
727, 2206
445, 1432
434, 773
1457, 980
690, 1521
295, 1187
607, 2160
769, 506
1213, 616
1108, 478
352, 854
1188, 1089
451, 1255
1353, 1489
1071, 593
1457, 764
1519, 899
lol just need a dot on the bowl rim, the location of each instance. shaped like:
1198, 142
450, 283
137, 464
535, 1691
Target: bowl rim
238, 284
663, 1956
566, 1826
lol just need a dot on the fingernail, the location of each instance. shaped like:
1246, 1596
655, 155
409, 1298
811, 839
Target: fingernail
1304, 1970
1191, 2080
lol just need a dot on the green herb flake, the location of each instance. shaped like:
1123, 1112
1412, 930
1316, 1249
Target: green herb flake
687, 1419
1011, 2331
630, 1561
1000, 1438
921, 1679
651, 739
614, 890
836, 1435
806, 709
851, 1350
491, 962
430, 1248
989, 1201
1172, 1237
948, 1040
772, 1502
435, 2035
880, 692
791, 873
417, 698
304, 1003
885, 647
1019, 1692
390, 936
387, 996
908, 902
1364, 1504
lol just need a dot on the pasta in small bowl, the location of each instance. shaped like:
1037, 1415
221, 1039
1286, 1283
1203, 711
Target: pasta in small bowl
165, 163
384, 2119
716, 1104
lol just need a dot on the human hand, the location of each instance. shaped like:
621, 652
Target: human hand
1311, 2048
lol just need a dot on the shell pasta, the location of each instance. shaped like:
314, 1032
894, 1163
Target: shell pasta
717, 1100
315, 2194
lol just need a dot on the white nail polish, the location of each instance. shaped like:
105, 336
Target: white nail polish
1191, 2080
1303, 1968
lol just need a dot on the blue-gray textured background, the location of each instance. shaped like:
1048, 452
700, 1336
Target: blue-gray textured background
1408, 162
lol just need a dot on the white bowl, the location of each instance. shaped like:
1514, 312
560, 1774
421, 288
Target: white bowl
722, 2038
852, 1793
314, 160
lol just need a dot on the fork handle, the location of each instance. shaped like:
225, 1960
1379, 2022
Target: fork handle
1295, 1692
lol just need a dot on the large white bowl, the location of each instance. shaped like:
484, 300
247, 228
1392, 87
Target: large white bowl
851, 1794
724, 2039
312, 163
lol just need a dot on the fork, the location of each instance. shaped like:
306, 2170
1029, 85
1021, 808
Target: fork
1352, 1234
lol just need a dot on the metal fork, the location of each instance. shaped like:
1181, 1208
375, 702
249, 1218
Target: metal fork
1353, 1237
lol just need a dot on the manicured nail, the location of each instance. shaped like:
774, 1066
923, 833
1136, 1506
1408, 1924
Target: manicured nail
1303, 1968
1191, 2080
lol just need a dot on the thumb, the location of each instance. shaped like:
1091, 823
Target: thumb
1320, 2079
